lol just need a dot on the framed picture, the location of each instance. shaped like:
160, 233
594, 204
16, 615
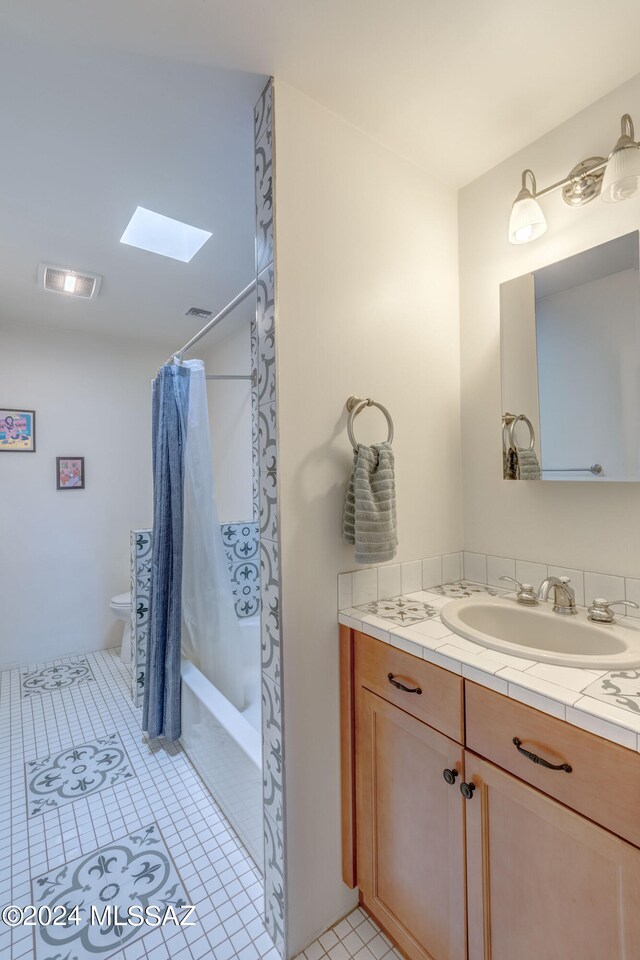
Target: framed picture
17, 431
70, 473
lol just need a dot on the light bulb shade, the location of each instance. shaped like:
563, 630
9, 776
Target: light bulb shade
622, 174
527, 220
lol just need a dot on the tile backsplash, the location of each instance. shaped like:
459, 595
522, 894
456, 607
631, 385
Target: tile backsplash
392, 580
587, 584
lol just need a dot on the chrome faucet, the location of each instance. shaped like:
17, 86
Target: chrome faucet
564, 597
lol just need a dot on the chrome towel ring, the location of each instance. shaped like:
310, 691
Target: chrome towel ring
509, 421
356, 405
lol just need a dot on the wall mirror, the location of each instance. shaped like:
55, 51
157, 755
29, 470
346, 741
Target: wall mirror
570, 359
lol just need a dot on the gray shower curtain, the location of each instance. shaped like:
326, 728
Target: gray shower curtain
161, 707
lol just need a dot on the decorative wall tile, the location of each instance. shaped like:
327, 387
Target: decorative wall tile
61, 676
272, 749
262, 115
255, 456
266, 337
265, 448
137, 870
141, 543
270, 587
274, 883
268, 448
264, 203
74, 773
242, 547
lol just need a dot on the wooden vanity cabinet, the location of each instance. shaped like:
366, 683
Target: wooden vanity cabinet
512, 871
543, 882
410, 830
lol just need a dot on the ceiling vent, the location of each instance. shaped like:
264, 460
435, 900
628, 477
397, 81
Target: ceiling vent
71, 282
199, 312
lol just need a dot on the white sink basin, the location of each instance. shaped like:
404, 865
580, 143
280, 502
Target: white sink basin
538, 633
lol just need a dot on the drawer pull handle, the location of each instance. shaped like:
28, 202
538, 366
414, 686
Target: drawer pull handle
536, 759
466, 789
401, 686
450, 775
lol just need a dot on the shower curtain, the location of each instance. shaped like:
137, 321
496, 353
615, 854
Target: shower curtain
211, 635
191, 609
161, 706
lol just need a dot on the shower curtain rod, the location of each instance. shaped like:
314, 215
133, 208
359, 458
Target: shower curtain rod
215, 320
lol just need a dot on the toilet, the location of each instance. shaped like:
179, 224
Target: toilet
121, 607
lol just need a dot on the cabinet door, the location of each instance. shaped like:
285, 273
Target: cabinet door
543, 882
410, 830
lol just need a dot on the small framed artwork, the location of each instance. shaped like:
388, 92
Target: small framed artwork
17, 431
70, 473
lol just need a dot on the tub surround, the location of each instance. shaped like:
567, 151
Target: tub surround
606, 703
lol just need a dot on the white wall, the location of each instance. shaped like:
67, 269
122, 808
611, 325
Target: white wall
581, 525
227, 349
64, 554
367, 304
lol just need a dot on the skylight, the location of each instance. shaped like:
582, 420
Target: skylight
159, 234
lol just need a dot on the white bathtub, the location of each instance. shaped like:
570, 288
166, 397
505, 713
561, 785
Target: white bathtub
225, 744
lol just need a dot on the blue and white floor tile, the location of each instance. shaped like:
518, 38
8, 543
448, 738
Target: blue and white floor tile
79, 771
72, 844
55, 676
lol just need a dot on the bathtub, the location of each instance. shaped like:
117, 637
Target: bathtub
225, 744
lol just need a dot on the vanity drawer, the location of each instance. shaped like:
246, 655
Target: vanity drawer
440, 704
604, 782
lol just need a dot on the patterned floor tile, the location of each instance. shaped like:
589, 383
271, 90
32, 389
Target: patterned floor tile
135, 871
465, 588
77, 772
400, 610
621, 687
58, 676
220, 878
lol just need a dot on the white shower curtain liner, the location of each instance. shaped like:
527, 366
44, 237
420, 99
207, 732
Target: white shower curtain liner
211, 633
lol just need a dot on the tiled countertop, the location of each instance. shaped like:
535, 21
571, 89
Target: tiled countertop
606, 703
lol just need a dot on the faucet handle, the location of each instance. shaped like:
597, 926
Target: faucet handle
600, 610
524, 591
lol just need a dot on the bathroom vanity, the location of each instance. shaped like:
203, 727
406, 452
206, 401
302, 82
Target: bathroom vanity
476, 826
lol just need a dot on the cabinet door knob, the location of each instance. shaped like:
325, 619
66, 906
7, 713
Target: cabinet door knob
466, 789
450, 775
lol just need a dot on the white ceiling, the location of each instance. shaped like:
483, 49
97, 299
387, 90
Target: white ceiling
108, 105
86, 137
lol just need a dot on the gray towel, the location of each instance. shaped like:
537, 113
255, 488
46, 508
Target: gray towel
370, 508
527, 466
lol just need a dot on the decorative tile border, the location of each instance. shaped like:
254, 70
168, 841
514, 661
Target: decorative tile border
242, 547
77, 772
63, 675
141, 542
265, 451
135, 871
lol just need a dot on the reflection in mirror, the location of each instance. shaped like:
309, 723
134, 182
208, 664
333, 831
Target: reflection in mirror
570, 358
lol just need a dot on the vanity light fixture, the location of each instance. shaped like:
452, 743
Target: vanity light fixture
615, 178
